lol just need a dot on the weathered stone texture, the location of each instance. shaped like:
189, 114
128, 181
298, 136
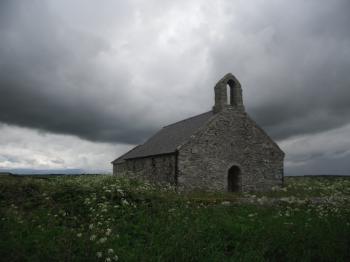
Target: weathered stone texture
158, 169
231, 138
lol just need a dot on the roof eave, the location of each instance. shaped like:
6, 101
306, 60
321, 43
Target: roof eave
154, 155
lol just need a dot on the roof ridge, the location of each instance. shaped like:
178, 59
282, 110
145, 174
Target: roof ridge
187, 119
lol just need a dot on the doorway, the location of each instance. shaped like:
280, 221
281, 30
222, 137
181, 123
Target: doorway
233, 179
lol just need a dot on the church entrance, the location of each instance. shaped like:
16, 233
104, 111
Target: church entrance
233, 179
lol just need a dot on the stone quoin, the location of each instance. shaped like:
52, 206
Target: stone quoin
220, 150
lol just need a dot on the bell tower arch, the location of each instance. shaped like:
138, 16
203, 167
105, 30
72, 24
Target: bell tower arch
228, 93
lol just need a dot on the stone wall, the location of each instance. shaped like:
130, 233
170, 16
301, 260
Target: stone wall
156, 169
230, 138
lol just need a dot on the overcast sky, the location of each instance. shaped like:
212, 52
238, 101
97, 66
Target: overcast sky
83, 81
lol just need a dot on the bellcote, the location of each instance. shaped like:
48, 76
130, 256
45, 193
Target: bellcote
228, 93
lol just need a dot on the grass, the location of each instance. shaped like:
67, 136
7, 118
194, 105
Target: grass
102, 218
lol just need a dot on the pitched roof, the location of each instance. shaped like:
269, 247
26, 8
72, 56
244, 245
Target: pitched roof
168, 138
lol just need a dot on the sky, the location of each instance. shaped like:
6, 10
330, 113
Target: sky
82, 82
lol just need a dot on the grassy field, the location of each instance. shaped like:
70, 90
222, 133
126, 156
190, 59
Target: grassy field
101, 218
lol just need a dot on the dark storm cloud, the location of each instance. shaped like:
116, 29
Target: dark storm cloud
294, 61
117, 71
49, 79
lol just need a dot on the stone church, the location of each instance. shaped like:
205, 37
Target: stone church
220, 150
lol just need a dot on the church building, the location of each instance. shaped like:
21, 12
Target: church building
220, 150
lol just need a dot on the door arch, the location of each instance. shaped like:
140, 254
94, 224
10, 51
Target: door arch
234, 179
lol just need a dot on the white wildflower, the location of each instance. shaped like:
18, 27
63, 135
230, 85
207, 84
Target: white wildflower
285, 199
125, 202
115, 258
102, 240
93, 237
275, 188
110, 251
262, 200
79, 235
99, 254
108, 259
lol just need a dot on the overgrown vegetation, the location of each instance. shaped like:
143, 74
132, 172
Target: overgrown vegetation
101, 218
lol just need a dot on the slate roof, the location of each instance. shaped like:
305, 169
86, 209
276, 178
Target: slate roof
168, 138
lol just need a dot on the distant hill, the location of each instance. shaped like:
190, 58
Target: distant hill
27, 171
317, 175
5, 173
32, 172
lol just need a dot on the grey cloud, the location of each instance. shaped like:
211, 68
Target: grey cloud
117, 71
322, 165
27, 148
9, 158
322, 153
294, 59
50, 80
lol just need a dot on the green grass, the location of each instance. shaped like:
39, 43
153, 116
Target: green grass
101, 218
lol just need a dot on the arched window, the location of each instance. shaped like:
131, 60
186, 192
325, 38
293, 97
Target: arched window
230, 94
234, 179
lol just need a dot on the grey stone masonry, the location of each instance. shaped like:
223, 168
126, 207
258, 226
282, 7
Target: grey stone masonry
158, 169
230, 139
222, 150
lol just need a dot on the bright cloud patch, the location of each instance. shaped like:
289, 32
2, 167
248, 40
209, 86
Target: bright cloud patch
27, 148
323, 153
